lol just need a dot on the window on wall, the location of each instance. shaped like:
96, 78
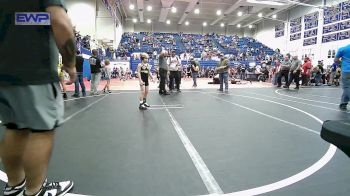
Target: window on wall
331, 54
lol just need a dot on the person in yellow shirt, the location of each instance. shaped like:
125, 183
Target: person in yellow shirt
61, 77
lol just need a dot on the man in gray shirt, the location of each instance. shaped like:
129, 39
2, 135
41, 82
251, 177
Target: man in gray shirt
284, 71
294, 72
163, 71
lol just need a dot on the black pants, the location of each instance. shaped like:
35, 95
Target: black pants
295, 77
284, 73
174, 75
163, 73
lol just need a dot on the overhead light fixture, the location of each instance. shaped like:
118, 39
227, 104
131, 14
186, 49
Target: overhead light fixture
149, 21
149, 8
134, 20
269, 2
187, 23
218, 12
205, 24
173, 10
274, 16
250, 26
196, 11
222, 24
260, 15
239, 26
168, 21
240, 14
131, 6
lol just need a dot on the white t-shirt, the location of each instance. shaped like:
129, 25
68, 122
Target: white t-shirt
174, 62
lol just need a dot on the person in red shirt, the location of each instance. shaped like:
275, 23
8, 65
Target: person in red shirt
305, 74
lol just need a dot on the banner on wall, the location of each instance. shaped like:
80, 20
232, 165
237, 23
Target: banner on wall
279, 30
332, 14
295, 22
345, 10
330, 38
344, 35
310, 41
344, 25
295, 29
310, 33
295, 37
331, 28
311, 20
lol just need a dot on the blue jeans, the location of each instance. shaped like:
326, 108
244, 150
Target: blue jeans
194, 77
345, 78
223, 79
80, 81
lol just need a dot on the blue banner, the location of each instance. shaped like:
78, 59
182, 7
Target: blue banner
344, 35
295, 37
310, 41
344, 25
332, 14
295, 29
311, 20
279, 33
295, 22
331, 28
330, 38
310, 33
279, 27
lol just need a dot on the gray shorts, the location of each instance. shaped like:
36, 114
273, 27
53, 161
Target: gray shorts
35, 107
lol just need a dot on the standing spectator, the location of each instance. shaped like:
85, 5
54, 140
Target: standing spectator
319, 73
306, 73
194, 69
95, 65
61, 77
163, 71
343, 57
174, 74
294, 72
284, 72
222, 69
31, 106
108, 72
79, 66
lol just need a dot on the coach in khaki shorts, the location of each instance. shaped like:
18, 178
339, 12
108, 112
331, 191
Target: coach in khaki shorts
31, 105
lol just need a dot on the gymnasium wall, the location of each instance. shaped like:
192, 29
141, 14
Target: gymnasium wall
265, 33
129, 26
92, 18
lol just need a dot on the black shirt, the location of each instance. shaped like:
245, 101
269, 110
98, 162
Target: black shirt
79, 63
95, 64
28, 53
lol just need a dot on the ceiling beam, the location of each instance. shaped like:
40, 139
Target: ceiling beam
229, 11
140, 9
247, 15
189, 8
281, 9
166, 6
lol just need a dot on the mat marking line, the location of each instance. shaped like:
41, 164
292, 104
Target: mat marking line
207, 178
276, 91
290, 180
327, 108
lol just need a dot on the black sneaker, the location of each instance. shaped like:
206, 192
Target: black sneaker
142, 107
343, 107
75, 96
146, 104
15, 190
285, 86
55, 188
